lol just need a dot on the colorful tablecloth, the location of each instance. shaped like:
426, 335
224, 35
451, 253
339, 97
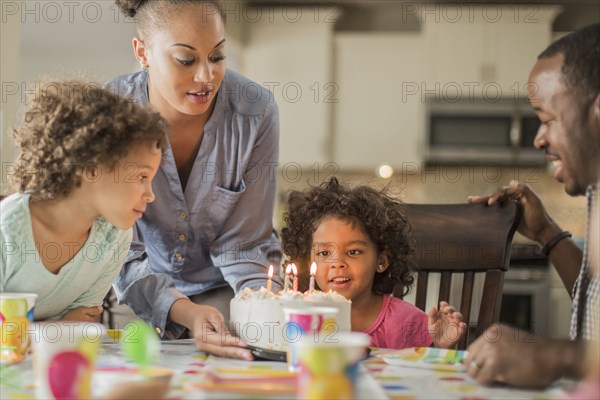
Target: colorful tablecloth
197, 375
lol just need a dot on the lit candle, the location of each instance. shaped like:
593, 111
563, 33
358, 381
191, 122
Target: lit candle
295, 272
270, 282
287, 279
313, 271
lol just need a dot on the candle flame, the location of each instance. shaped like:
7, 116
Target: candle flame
313, 269
294, 269
288, 269
270, 271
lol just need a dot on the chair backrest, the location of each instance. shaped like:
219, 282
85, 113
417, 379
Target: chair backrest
467, 239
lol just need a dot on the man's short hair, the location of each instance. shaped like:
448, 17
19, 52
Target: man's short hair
581, 66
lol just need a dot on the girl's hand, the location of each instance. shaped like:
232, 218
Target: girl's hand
446, 326
86, 314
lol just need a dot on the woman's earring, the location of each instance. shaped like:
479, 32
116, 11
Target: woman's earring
144, 65
380, 268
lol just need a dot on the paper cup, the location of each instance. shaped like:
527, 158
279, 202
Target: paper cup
306, 322
328, 367
16, 315
63, 358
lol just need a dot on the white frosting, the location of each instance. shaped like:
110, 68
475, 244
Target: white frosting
290, 295
287, 294
258, 317
329, 296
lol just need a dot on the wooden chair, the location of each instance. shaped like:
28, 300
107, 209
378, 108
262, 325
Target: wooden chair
467, 239
107, 317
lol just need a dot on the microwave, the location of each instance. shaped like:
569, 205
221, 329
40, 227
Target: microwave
499, 131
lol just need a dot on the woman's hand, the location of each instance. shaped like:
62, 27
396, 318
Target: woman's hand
446, 325
209, 329
535, 223
212, 335
86, 314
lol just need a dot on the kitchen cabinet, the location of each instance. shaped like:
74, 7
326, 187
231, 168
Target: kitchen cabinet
289, 51
484, 51
379, 116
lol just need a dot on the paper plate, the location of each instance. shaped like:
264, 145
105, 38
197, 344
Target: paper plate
427, 357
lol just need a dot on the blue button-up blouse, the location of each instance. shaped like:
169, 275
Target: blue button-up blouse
219, 230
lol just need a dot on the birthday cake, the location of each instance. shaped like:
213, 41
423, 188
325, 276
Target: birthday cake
258, 317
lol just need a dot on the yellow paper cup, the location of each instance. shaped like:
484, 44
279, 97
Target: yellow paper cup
328, 366
63, 358
16, 315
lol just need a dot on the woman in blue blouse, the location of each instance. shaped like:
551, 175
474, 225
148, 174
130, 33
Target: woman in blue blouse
210, 228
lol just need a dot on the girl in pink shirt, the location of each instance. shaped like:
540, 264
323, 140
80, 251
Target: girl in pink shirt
360, 239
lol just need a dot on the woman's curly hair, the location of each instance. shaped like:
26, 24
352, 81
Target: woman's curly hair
380, 216
72, 126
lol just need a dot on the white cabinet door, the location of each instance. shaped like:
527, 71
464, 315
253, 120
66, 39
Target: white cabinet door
516, 46
292, 57
488, 52
379, 116
455, 56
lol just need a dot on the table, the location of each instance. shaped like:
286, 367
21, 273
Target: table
195, 372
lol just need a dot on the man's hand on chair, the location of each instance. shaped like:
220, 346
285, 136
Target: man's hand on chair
535, 223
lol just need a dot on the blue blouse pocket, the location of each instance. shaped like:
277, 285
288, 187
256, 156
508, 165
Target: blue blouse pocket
223, 203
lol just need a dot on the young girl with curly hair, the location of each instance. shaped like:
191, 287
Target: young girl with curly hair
83, 177
360, 239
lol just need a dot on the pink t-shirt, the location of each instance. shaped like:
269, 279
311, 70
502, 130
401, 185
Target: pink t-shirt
399, 325
588, 389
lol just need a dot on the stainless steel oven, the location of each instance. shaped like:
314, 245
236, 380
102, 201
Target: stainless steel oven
525, 298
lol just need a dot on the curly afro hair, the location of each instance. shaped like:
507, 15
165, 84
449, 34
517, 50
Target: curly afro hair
71, 126
381, 217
